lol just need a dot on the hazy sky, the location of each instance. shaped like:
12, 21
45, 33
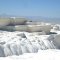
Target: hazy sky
46, 8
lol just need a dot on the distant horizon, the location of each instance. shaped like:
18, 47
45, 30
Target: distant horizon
34, 18
6, 15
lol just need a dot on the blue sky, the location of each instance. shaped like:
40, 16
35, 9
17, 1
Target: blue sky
44, 8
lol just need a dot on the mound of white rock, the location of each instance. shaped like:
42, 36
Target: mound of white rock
17, 43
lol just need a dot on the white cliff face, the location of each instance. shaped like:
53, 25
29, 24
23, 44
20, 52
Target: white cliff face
17, 43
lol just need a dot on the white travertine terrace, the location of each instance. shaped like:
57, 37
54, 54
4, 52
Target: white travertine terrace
29, 40
17, 43
20, 24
